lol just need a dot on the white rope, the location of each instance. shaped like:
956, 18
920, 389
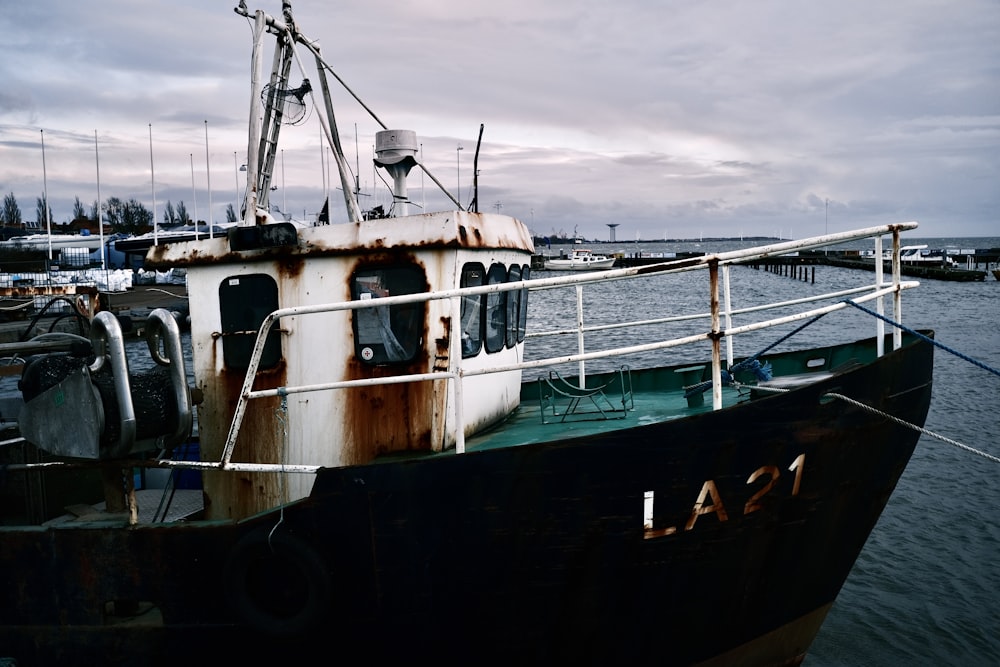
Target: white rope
899, 421
915, 427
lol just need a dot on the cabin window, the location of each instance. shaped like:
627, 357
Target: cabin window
513, 306
244, 302
388, 334
495, 310
522, 316
472, 311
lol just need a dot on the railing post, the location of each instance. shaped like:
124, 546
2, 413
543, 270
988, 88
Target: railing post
579, 334
880, 302
897, 294
729, 315
455, 367
713, 277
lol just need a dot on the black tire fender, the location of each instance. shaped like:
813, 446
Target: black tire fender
275, 582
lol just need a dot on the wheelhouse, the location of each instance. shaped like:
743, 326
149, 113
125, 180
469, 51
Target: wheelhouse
234, 285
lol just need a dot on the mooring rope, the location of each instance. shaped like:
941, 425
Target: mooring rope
907, 424
920, 429
901, 422
944, 347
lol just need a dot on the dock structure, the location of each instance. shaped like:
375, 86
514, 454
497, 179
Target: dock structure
988, 259
853, 260
19, 317
912, 270
146, 297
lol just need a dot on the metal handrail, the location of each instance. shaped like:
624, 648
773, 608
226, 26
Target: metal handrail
456, 373
698, 316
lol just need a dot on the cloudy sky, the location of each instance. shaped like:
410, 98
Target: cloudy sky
671, 118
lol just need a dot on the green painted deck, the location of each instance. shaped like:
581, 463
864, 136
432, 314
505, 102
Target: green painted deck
526, 425
657, 396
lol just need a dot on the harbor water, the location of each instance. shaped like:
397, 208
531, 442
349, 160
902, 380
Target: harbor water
926, 588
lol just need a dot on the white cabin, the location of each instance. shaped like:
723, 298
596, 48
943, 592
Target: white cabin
235, 282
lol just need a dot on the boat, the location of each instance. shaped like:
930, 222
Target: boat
920, 255
138, 244
360, 459
996, 273
53, 241
580, 259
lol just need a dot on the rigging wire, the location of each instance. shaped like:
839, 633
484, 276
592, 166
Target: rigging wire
921, 336
899, 421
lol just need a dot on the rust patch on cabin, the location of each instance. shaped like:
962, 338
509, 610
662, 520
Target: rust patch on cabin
291, 266
390, 418
470, 231
442, 346
154, 255
384, 419
260, 440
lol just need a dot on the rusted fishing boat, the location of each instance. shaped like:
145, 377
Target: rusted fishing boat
382, 473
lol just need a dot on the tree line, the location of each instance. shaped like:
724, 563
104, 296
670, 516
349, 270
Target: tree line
123, 217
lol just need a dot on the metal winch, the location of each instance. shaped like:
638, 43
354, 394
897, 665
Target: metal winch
85, 403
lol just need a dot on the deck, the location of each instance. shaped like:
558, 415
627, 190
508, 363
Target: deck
656, 395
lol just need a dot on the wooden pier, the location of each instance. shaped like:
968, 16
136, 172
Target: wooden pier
851, 260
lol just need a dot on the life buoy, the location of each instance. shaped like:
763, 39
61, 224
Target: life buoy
276, 583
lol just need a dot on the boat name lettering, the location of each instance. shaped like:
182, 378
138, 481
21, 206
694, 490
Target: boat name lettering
710, 501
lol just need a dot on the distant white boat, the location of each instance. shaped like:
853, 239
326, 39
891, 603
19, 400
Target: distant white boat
58, 241
919, 254
580, 260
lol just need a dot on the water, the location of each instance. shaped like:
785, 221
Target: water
925, 590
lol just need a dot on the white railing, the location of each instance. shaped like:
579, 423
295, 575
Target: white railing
456, 373
712, 262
